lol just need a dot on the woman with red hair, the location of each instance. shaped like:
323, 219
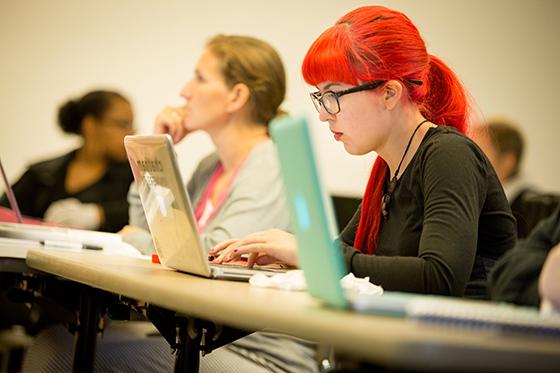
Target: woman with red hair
434, 217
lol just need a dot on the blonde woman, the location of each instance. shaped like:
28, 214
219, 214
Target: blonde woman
238, 85
237, 88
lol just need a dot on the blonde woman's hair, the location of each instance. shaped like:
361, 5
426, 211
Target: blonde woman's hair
256, 64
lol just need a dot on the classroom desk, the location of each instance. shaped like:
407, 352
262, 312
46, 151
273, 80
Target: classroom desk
12, 257
384, 340
13, 340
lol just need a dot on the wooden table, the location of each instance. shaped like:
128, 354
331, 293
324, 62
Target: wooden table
384, 340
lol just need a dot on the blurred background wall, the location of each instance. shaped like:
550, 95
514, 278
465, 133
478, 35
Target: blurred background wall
505, 51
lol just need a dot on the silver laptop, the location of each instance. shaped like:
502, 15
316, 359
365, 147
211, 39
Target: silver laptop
169, 211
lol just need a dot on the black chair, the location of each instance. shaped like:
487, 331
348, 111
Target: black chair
530, 206
344, 207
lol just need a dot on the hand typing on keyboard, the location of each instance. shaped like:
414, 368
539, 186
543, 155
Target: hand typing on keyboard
262, 248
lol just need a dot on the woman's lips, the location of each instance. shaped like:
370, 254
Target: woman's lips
337, 135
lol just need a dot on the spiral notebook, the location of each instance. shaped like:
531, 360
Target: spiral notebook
323, 264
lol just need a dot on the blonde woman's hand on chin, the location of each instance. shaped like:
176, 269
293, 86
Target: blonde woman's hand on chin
171, 121
266, 247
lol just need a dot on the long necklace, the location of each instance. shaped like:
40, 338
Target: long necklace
387, 197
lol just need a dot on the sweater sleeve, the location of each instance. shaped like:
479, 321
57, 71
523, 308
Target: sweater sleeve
453, 181
515, 277
136, 215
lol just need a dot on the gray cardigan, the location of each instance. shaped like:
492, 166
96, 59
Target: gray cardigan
255, 202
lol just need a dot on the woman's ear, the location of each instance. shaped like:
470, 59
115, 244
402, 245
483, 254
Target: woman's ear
239, 96
88, 126
393, 91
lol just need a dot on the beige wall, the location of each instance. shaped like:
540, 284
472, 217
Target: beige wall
506, 52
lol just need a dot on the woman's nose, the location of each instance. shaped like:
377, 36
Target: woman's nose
186, 92
324, 115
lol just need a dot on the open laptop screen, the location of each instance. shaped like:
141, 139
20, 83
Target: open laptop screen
166, 205
11, 195
312, 212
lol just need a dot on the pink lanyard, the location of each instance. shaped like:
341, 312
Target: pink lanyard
201, 206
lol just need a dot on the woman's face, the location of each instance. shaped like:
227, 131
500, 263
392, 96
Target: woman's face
206, 94
362, 123
113, 126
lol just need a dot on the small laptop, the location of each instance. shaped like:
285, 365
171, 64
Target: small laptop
321, 259
169, 211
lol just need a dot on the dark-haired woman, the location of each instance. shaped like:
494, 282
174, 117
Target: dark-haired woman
434, 217
87, 187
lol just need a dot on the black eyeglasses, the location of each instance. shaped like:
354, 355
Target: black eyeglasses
329, 99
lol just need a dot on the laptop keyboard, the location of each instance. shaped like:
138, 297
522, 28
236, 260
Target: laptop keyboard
244, 267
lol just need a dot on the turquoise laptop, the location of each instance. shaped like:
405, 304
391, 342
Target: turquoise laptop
311, 210
314, 225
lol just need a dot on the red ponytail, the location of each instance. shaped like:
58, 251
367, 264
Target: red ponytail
370, 216
446, 102
375, 43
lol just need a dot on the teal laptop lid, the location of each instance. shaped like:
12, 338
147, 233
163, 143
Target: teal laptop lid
311, 210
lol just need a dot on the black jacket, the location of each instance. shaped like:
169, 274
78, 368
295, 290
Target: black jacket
43, 184
515, 277
530, 207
